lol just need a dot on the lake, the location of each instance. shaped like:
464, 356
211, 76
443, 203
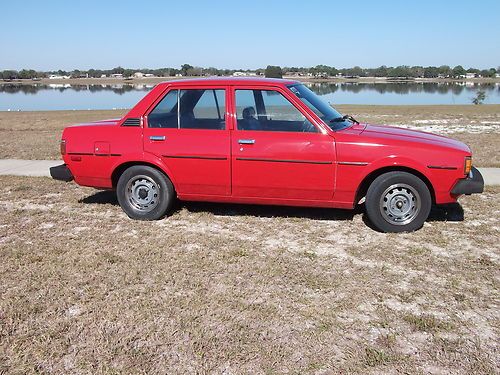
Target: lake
36, 97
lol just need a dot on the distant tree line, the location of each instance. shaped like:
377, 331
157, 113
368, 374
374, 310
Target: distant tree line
403, 71
319, 71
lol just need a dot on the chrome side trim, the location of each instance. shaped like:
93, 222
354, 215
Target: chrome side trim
285, 161
442, 167
356, 163
195, 157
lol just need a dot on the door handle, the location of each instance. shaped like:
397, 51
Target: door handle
157, 138
246, 141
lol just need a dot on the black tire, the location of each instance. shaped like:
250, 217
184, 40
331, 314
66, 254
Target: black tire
398, 202
144, 193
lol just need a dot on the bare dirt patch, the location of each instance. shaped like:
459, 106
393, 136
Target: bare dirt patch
241, 289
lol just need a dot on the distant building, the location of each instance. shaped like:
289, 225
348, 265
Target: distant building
54, 76
116, 75
103, 75
244, 74
497, 75
138, 75
148, 75
470, 75
321, 75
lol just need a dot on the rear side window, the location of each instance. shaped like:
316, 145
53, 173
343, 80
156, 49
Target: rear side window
190, 109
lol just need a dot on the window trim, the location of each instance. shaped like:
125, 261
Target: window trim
289, 98
168, 89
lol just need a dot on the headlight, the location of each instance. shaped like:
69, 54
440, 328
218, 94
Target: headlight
467, 165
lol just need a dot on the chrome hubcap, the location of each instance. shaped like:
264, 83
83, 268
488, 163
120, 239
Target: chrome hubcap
400, 204
142, 193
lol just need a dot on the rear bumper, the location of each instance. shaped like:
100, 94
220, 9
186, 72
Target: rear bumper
61, 173
473, 184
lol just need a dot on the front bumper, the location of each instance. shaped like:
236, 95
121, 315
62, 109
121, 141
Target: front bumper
473, 184
61, 173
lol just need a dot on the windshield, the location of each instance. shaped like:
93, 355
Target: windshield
325, 111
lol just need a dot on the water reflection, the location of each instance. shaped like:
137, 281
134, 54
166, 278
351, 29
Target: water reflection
455, 88
38, 96
12, 88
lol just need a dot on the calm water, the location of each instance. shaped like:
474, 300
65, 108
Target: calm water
36, 97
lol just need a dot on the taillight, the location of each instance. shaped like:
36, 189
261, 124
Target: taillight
467, 165
63, 146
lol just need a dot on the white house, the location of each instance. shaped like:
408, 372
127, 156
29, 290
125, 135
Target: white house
138, 75
470, 75
116, 75
54, 76
244, 74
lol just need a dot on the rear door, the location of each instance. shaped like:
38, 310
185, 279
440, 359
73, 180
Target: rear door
187, 129
277, 152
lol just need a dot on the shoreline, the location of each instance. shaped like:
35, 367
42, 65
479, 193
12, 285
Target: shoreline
155, 80
397, 107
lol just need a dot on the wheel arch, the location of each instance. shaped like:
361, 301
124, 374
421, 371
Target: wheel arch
367, 181
118, 171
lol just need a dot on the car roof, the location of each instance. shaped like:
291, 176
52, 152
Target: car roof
230, 81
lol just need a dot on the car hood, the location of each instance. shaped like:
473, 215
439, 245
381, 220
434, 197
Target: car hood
415, 136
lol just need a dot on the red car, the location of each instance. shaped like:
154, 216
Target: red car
263, 141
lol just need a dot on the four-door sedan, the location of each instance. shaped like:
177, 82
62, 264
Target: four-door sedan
263, 141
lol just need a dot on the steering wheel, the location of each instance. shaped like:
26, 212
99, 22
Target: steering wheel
307, 127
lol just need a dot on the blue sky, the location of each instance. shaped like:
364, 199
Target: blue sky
49, 35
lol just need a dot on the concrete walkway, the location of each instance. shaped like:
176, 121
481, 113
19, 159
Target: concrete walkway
18, 167
39, 168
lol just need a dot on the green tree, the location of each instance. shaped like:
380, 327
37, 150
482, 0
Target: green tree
273, 71
479, 99
117, 70
185, 68
381, 71
431, 72
458, 71
400, 71
445, 70
9, 74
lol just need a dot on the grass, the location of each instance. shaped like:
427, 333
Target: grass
35, 135
240, 289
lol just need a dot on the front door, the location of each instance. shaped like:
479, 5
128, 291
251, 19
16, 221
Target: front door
187, 129
276, 150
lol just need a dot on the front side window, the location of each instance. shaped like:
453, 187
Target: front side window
268, 110
190, 109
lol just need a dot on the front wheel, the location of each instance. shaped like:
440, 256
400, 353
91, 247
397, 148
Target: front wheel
144, 193
398, 202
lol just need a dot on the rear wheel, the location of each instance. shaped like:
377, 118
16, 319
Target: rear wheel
398, 202
144, 193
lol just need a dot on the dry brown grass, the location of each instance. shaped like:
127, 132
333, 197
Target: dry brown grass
35, 135
241, 289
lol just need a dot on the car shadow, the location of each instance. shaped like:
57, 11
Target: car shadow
231, 209
101, 197
449, 212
